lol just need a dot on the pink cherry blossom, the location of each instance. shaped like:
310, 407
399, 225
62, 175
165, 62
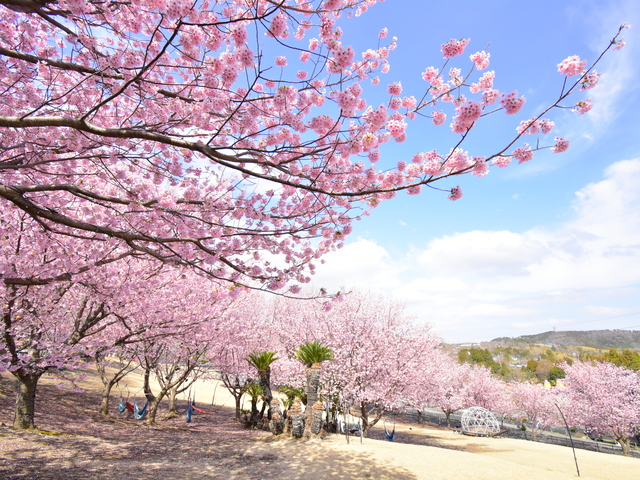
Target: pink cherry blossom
430, 74
466, 116
455, 194
583, 106
480, 59
485, 82
590, 80
396, 128
394, 88
490, 96
620, 44
395, 103
561, 145
278, 25
502, 161
603, 398
122, 132
572, 66
480, 167
454, 47
523, 154
438, 117
511, 103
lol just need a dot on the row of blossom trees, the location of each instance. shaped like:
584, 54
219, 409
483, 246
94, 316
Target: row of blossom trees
171, 327
383, 361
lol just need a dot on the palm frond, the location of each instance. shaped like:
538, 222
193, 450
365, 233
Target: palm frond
262, 360
313, 352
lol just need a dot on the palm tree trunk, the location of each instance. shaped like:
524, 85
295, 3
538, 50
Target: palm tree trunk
313, 384
265, 384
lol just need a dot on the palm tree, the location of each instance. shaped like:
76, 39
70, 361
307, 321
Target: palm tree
312, 354
255, 392
262, 362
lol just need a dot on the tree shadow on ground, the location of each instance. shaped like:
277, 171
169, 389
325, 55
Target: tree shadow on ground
76, 443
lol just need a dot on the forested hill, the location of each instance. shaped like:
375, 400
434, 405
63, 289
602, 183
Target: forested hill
602, 339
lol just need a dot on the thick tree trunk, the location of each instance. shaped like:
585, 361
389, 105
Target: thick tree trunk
367, 421
152, 409
154, 401
313, 384
295, 419
625, 443
25, 406
265, 384
447, 416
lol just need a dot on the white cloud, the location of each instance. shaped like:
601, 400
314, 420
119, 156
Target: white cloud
609, 311
362, 263
482, 253
480, 284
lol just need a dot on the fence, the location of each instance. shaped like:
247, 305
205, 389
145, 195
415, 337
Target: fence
517, 433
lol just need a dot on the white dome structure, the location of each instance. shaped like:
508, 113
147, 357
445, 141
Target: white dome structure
479, 421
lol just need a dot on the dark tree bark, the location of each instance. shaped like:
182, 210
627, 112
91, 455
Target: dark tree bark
108, 381
25, 400
295, 419
370, 416
237, 389
264, 379
276, 425
314, 420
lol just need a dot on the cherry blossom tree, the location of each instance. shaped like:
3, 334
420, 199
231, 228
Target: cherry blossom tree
445, 390
533, 405
379, 355
485, 389
605, 399
47, 330
452, 386
66, 323
112, 369
51, 325
232, 136
238, 337
174, 361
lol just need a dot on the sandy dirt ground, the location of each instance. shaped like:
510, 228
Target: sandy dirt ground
76, 443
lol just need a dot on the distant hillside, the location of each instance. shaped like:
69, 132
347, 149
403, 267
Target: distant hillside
602, 339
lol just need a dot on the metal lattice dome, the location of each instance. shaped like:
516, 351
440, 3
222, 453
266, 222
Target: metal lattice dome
479, 421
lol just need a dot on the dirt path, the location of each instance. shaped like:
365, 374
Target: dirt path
88, 446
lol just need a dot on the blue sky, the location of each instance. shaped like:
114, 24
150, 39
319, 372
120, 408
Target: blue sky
553, 243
